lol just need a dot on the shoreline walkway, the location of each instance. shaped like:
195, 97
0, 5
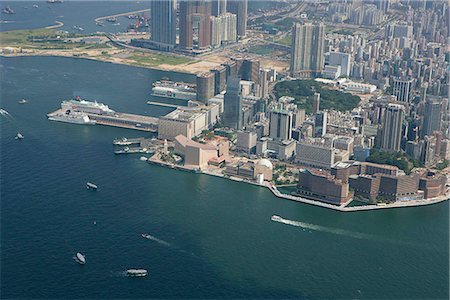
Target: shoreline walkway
342, 208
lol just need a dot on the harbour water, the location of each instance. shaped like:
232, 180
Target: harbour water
211, 238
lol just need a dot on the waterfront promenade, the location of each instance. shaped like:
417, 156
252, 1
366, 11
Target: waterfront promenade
342, 208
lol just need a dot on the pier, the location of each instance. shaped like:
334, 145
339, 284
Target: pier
122, 120
134, 145
99, 19
162, 104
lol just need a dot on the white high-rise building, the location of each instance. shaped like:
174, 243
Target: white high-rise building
342, 60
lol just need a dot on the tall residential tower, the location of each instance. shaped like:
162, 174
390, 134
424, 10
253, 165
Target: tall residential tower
163, 24
307, 56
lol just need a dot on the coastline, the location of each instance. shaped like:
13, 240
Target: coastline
156, 68
341, 208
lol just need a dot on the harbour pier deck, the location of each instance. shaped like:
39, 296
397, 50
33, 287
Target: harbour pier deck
163, 104
99, 19
123, 120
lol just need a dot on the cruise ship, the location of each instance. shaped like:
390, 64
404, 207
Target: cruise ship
79, 105
72, 117
176, 90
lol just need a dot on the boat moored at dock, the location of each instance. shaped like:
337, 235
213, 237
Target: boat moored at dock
175, 90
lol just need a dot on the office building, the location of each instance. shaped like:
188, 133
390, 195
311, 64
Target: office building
307, 56
320, 123
280, 124
321, 186
250, 70
163, 24
432, 117
246, 141
239, 8
391, 132
232, 116
220, 79
194, 24
403, 89
340, 59
205, 86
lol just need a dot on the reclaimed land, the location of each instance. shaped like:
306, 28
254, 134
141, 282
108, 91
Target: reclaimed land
51, 42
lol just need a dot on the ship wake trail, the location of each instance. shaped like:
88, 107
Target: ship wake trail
343, 232
161, 242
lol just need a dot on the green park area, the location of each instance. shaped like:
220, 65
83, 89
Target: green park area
43, 38
303, 92
398, 159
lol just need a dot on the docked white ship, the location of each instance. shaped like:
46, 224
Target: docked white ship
72, 117
176, 90
84, 106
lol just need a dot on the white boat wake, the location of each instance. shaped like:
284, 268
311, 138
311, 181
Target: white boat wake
353, 234
152, 238
342, 232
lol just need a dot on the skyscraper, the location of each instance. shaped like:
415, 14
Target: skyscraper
280, 127
163, 24
403, 89
232, 110
218, 7
307, 56
320, 124
194, 24
391, 133
205, 86
432, 117
239, 8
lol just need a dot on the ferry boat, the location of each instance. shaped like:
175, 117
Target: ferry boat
72, 117
80, 258
80, 105
137, 272
176, 90
276, 218
91, 186
122, 142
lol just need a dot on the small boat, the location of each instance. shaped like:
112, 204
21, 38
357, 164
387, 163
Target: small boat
80, 258
23, 101
276, 218
137, 272
111, 19
8, 10
19, 136
143, 158
35, 6
91, 186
